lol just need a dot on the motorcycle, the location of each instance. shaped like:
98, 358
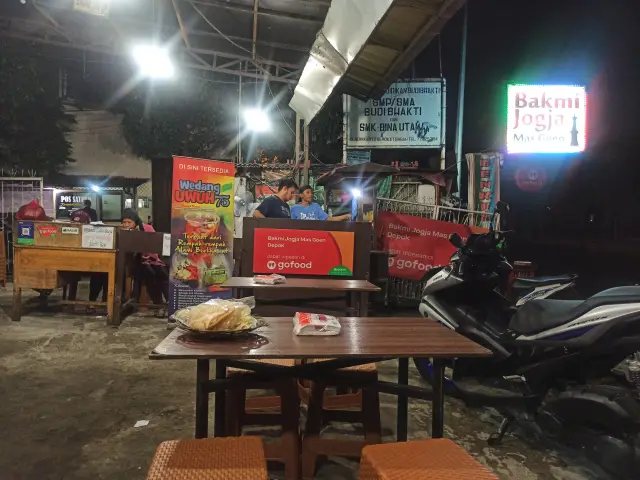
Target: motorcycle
546, 354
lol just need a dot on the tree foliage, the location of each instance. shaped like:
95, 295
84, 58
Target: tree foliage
183, 119
33, 122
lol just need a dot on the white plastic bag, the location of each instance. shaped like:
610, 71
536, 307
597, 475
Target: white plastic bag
315, 324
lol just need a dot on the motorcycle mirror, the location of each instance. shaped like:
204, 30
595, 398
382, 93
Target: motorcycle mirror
456, 240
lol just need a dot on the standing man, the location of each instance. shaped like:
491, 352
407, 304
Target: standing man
307, 209
93, 215
276, 206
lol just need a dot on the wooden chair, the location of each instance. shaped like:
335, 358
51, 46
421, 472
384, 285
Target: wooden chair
324, 408
210, 459
435, 459
282, 410
136, 290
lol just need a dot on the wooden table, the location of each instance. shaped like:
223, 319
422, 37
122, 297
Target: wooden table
361, 341
357, 291
38, 267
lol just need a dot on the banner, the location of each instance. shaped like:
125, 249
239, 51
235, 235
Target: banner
419, 244
484, 181
409, 115
201, 231
303, 252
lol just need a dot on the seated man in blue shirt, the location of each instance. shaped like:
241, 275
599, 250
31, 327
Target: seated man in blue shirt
308, 210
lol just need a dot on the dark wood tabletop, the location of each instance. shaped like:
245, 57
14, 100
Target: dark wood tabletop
360, 337
306, 283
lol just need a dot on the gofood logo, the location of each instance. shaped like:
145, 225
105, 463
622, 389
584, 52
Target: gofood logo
271, 265
402, 264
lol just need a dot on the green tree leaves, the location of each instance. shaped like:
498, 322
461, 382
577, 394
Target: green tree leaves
33, 122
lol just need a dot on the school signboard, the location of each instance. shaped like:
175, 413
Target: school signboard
409, 115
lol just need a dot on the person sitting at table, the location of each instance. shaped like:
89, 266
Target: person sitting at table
151, 270
276, 206
97, 280
93, 215
307, 209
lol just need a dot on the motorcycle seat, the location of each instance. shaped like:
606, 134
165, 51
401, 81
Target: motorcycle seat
539, 315
525, 283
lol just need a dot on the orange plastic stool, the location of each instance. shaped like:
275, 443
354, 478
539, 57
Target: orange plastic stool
210, 459
436, 459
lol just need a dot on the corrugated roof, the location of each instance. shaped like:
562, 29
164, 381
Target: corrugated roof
396, 32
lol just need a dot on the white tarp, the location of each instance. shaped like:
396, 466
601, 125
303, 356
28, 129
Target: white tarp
348, 25
409, 115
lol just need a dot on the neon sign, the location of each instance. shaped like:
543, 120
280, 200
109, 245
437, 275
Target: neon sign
546, 119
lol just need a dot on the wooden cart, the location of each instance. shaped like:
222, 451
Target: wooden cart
43, 251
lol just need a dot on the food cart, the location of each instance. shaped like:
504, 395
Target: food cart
44, 251
357, 185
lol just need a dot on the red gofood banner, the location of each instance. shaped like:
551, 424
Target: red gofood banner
419, 244
303, 252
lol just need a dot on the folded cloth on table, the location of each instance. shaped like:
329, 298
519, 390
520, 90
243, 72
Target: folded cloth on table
315, 324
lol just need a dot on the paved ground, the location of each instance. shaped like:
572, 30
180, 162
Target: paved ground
72, 390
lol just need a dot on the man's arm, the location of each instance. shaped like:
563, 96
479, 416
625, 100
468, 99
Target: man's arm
340, 218
258, 214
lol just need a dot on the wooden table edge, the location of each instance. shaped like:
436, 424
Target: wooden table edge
160, 356
369, 289
67, 249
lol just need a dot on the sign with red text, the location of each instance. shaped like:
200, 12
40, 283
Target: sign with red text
303, 252
419, 244
546, 119
202, 221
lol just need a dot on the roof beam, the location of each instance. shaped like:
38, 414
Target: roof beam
53, 23
263, 11
205, 51
256, 3
183, 31
235, 59
242, 73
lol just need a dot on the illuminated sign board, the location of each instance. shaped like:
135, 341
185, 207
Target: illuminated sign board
546, 119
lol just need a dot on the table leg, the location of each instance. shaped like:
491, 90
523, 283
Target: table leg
220, 406
16, 314
118, 286
364, 304
403, 401
202, 400
352, 304
437, 405
111, 301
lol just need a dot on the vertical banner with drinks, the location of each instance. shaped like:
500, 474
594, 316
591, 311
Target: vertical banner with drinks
202, 222
484, 181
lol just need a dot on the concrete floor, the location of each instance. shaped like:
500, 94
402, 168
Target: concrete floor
72, 390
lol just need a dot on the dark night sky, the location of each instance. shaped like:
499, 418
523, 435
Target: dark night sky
590, 42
